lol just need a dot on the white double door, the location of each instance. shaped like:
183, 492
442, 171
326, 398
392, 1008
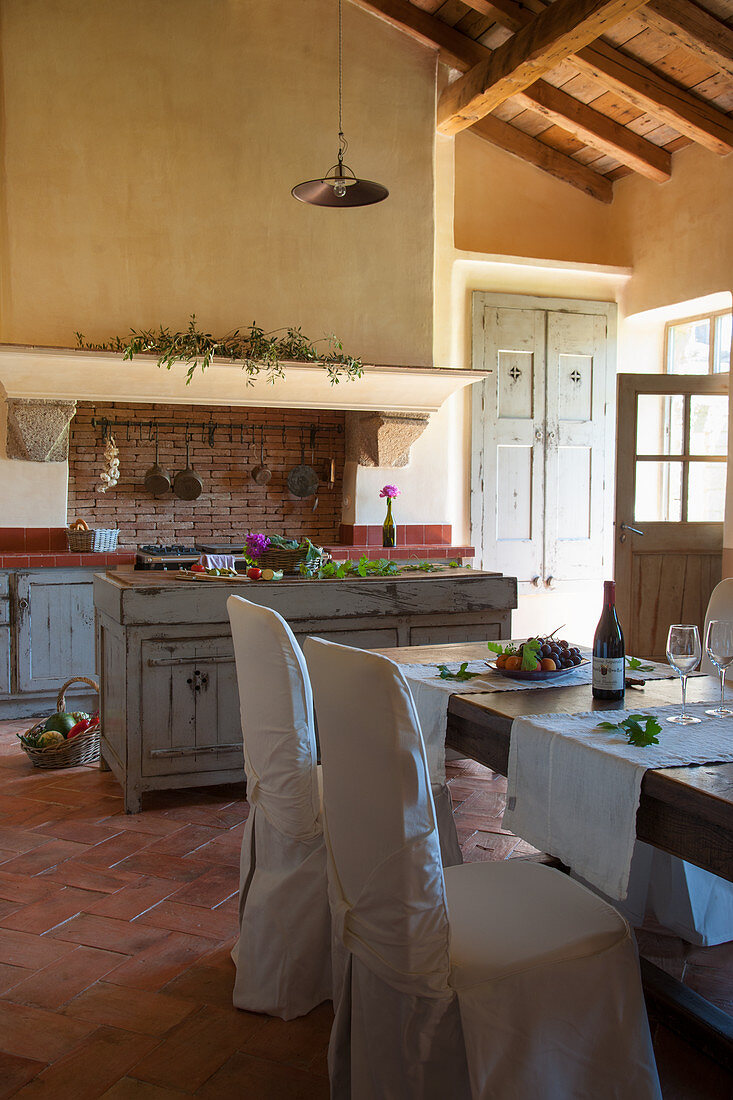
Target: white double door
543, 428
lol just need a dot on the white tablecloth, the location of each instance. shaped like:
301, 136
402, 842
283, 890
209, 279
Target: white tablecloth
431, 695
574, 789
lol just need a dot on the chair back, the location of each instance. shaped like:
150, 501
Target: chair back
276, 708
386, 882
720, 606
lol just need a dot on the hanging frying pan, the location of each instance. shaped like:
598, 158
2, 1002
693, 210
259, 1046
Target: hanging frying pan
187, 485
157, 479
262, 473
302, 479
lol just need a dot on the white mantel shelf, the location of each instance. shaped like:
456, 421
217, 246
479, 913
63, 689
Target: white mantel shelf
36, 373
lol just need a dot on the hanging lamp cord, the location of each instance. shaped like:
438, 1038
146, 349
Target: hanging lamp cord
343, 144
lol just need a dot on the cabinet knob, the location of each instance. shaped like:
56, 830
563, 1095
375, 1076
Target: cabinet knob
535, 582
23, 604
549, 582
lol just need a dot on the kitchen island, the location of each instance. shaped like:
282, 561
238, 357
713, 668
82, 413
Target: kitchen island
169, 700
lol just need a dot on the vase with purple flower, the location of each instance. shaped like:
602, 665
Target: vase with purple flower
389, 530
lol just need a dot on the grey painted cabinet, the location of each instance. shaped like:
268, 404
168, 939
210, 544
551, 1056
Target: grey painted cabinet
46, 636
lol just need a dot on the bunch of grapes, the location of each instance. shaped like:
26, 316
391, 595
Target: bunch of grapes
546, 654
563, 654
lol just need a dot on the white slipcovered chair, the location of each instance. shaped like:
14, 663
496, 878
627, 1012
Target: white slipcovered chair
506, 981
692, 903
283, 955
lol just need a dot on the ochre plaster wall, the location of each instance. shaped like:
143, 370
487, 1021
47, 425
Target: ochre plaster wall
149, 151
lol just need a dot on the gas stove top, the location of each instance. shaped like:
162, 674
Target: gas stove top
178, 556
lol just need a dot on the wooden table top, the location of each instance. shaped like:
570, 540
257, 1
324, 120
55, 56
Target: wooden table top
685, 811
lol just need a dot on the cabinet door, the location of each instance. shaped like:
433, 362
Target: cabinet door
508, 480
190, 706
54, 631
4, 635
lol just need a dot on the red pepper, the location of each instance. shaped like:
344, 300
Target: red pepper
197, 567
80, 727
254, 573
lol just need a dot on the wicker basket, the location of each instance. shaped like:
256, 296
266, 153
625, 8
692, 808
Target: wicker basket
287, 560
82, 749
82, 539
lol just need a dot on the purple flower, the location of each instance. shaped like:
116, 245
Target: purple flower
390, 491
255, 545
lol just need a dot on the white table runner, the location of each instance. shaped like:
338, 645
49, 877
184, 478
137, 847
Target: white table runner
574, 790
431, 695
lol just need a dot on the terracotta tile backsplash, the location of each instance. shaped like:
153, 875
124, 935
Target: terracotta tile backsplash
231, 503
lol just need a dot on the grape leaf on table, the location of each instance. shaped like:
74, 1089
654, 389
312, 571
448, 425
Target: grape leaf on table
462, 674
530, 656
637, 734
635, 665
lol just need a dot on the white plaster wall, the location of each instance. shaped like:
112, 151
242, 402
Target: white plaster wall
32, 494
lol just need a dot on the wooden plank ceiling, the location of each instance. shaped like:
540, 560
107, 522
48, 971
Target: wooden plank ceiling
587, 90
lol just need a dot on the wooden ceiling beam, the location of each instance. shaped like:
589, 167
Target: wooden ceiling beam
563, 28
598, 130
646, 90
694, 28
564, 168
584, 122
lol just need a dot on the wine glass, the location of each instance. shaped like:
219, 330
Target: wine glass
683, 653
719, 648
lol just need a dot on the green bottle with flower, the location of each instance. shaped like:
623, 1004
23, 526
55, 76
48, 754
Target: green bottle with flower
389, 530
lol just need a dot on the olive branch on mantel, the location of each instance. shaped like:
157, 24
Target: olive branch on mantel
255, 349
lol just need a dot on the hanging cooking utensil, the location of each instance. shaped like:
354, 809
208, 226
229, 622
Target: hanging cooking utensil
302, 479
157, 479
262, 473
187, 485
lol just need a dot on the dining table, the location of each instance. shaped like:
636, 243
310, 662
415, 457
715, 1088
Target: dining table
686, 811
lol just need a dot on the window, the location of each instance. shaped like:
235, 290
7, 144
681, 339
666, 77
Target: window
698, 345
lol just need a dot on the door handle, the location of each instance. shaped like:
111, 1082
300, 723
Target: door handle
625, 527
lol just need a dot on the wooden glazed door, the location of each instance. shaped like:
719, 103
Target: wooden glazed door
671, 464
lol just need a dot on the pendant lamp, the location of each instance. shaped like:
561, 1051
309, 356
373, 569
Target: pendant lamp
340, 187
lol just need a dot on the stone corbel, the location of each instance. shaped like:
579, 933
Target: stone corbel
383, 438
38, 431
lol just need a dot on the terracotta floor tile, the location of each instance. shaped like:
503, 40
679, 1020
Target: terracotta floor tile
720, 956
149, 821
221, 955
34, 1033
61, 981
296, 1042
49, 912
205, 985
154, 967
193, 1052
210, 889
254, 1078
79, 831
191, 919
90, 1069
51, 854
13, 975
161, 866
15, 1072
107, 933
129, 1009
224, 818
488, 847
184, 840
127, 1088
33, 952
84, 876
135, 899
20, 840
111, 852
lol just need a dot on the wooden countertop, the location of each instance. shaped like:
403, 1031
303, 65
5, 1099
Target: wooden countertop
153, 580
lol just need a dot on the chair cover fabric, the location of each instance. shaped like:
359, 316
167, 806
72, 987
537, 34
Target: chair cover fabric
484, 981
283, 952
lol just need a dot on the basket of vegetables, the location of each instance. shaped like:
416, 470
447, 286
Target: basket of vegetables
67, 738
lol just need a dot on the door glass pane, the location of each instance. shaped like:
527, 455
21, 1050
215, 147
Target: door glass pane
688, 347
721, 360
659, 424
708, 425
658, 492
706, 499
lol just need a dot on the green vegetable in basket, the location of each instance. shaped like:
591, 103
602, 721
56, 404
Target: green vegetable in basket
50, 739
61, 723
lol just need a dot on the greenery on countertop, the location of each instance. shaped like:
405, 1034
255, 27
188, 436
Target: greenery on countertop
368, 567
635, 665
461, 674
255, 349
637, 734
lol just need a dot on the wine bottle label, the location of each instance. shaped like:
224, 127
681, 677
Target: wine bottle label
608, 673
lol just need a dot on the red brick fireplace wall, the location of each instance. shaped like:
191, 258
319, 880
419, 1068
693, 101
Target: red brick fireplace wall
231, 504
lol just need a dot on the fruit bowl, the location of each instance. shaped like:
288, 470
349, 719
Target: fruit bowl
536, 674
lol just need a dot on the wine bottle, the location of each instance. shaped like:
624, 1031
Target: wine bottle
609, 672
389, 530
